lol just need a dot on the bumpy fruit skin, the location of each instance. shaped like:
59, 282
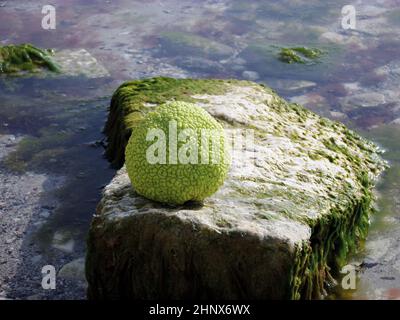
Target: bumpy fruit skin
175, 183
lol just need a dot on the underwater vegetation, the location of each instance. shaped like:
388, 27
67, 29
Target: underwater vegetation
25, 58
297, 61
299, 54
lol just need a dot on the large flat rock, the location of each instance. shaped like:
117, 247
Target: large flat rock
280, 227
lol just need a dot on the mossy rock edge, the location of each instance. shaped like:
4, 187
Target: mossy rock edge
17, 59
281, 231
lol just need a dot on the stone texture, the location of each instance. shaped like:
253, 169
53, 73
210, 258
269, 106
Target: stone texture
368, 99
79, 62
278, 228
74, 269
189, 44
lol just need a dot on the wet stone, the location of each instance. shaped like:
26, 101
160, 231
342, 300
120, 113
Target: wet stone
250, 75
74, 269
365, 100
258, 228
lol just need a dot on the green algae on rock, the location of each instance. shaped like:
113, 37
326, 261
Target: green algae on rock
299, 54
265, 58
280, 227
25, 58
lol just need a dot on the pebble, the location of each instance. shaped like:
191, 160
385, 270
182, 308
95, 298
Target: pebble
250, 75
338, 115
45, 214
73, 270
62, 242
334, 37
291, 85
396, 121
238, 61
310, 100
365, 100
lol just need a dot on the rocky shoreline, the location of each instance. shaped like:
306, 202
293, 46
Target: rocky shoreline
26, 202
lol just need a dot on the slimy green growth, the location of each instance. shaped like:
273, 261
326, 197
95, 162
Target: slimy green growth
25, 58
299, 54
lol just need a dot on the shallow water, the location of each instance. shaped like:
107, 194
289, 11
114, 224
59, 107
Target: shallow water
60, 118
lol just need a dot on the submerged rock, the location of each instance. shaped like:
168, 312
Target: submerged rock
62, 241
365, 100
79, 62
199, 64
74, 269
250, 75
291, 85
280, 227
189, 44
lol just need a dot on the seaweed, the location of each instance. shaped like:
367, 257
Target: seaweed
299, 55
334, 236
25, 57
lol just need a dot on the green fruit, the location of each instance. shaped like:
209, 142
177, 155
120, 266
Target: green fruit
177, 153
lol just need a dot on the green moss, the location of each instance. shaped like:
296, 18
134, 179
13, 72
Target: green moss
294, 136
222, 222
299, 54
25, 58
334, 237
320, 154
333, 146
290, 56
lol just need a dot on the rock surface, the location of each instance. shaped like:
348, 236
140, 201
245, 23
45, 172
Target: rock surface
73, 270
26, 59
280, 227
79, 62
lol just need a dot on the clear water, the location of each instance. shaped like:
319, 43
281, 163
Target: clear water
61, 118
